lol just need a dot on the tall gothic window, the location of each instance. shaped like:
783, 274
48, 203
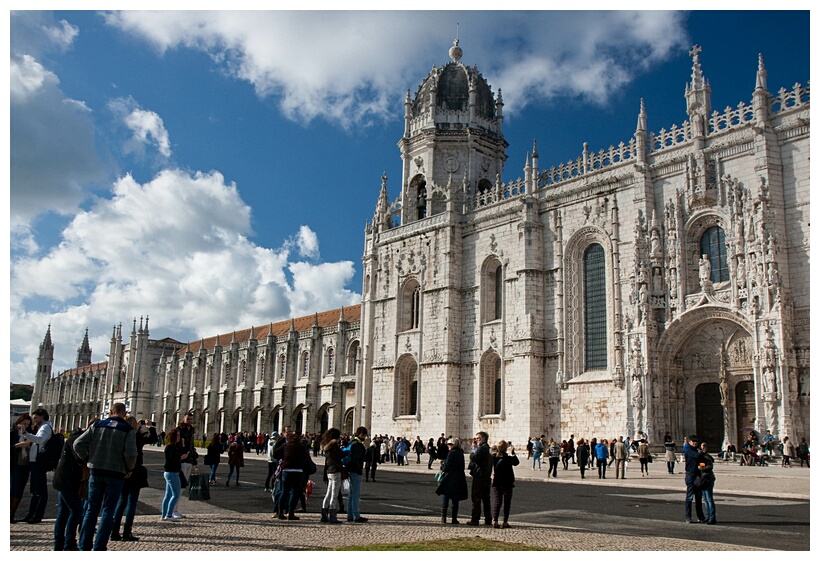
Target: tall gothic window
595, 308
407, 386
411, 305
713, 244
330, 357
282, 365
305, 364
353, 359
492, 290
490, 368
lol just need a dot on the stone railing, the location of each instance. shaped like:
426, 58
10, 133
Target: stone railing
786, 99
731, 118
496, 195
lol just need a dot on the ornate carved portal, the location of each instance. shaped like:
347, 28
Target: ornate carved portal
711, 373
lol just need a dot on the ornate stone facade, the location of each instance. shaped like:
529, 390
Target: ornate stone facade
658, 285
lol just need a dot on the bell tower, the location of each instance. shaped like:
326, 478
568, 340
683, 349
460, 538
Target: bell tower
452, 140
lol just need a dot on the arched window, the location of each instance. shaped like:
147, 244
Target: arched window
595, 308
330, 365
713, 244
492, 290
491, 397
421, 201
411, 305
353, 359
305, 364
407, 386
282, 364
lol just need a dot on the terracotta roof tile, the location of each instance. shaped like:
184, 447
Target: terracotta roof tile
325, 319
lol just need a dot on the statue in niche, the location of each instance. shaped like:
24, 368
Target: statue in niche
655, 245
769, 383
741, 273
637, 391
705, 268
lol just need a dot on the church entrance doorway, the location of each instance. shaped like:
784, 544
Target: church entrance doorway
745, 410
709, 415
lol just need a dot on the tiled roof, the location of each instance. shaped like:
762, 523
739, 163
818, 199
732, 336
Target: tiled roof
83, 369
325, 319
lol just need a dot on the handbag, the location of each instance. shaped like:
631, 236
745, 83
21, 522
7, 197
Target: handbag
649, 459
310, 466
198, 489
440, 476
346, 487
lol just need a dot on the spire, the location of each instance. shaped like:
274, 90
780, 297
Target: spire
698, 82
342, 313
381, 218
134, 327
140, 329
146, 325
642, 118
252, 328
84, 351
47, 344
760, 83
315, 319
292, 325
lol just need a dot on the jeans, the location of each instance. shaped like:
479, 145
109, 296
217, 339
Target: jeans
103, 493
444, 501
709, 501
695, 493
334, 482
172, 492
212, 477
230, 473
292, 486
354, 497
553, 470
430, 461
69, 516
276, 495
536, 457
602, 468
126, 505
39, 492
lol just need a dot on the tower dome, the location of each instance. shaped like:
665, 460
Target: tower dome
451, 86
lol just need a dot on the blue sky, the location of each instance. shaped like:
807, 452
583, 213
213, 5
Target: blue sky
215, 170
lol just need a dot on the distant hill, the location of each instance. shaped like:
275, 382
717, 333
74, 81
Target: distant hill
21, 391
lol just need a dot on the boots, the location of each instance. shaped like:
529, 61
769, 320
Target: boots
127, 536
332, 517
324, 515
444, 516
455, 515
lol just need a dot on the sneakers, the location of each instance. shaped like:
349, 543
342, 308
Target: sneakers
177, 516
170, 519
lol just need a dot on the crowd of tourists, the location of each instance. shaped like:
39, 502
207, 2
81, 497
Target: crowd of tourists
98, 471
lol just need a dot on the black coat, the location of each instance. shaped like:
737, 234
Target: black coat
504, 476
212, 456
583, 454
139, 475
69, 471
454, 484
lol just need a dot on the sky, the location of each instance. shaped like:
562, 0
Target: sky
216, 170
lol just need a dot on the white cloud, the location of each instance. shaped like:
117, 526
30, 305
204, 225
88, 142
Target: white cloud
53, 160
347, 67
62, 34
175, 248
307, 242
146, 127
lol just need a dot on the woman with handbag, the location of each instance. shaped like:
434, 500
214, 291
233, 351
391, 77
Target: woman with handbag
68, 482
644, 457
172, 472
453, 486
136, 480
236, 460
333, 474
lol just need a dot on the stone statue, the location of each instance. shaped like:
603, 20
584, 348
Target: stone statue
705, 269
769, 383
637, 391
655, 244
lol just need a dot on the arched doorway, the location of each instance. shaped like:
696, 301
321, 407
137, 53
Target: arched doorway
348, 422
299, 420
709, 415
745, 410
323, 421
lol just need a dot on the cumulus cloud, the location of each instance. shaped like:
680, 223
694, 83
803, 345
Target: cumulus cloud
53, 159
146, 127
39, 32
175, 248
348, 76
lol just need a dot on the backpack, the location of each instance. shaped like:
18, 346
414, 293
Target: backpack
49, 455
346, 456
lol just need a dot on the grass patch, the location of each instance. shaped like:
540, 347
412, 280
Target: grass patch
453, 544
